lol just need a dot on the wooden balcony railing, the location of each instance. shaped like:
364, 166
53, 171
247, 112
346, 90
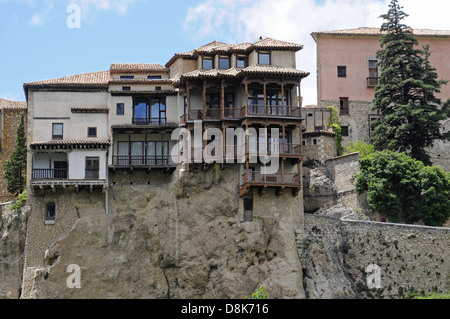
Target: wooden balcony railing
232, 113
50, 174
271, 110
289, 149
149, 121
213, 114
195, 115
277, 179
144, 161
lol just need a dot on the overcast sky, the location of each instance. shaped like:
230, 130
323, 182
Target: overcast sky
36, 42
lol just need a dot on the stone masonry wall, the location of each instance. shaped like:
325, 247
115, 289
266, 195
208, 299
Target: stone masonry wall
335, 255
10, 122
165, 235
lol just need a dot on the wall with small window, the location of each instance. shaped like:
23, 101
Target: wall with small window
80, 168
88, 126
126, 103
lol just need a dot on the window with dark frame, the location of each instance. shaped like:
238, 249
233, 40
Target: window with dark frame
344, 130
343, 105
248, 209
92, 168
154, 77
372, 80
126, 88
242, 62
50, 213
224, 63
92, 132
342, 71
207, 63
120, 109
127, 77
57, 131
264, 58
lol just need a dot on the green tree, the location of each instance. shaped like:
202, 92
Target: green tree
16, 166
335, 123
404, 189
405, 94
366, 150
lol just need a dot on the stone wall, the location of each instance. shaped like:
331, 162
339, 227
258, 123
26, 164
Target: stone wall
318, 146
335, 255
165, 235
358, 122
13, 227
10, 121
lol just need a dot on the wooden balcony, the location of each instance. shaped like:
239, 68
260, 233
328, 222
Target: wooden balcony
50, 174
142, 161
231, 113
271, 111
282, 149
149, 121
277, 180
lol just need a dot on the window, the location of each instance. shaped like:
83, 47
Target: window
212, 101
343, 105
92, 167
126, 88
248, 209
149, 111
127, 77
92, 132
207, 63
372, 80
314, 141
158, 88
224, 63
342, 71
57, 131
120, 109
242, 62
264, 58
50, 213
344, 130
154, 77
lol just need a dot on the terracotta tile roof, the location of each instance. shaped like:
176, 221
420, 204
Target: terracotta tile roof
86, 79
137, 67
217, 47
12, 105
273, 70
255, 69
141, 81
269, 43
71, 144
368, 31
89, 110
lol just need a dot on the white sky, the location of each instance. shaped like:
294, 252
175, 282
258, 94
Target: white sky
236, 21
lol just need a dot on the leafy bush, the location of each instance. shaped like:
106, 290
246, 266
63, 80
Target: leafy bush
335, 123
20, 202
366, 150
404, 189
259, 294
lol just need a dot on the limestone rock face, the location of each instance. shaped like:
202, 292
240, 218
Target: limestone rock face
12, 243
343, 212
170, 238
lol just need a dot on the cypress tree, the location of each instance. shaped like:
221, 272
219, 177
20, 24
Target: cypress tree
411, 114
16, 166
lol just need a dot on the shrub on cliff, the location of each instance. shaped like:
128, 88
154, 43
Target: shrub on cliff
404, 189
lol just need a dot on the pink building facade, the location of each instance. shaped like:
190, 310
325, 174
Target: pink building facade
347, 75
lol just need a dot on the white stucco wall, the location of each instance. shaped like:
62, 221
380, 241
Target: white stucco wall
77, 163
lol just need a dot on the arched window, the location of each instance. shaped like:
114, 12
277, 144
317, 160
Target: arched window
50, 210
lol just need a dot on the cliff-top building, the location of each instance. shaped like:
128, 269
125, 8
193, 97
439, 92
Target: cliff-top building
108, 133
347, 74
